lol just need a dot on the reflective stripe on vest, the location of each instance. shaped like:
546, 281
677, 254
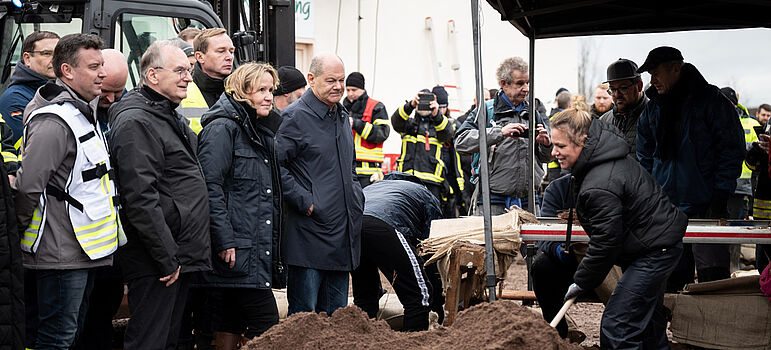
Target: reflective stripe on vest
365, 150
193, 107
96, 226
436, 176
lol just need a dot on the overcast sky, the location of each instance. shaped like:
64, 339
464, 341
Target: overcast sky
740, 58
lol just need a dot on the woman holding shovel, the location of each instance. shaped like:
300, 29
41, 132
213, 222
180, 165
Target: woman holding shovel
630, 222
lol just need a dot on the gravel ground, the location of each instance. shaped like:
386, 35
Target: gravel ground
586, 315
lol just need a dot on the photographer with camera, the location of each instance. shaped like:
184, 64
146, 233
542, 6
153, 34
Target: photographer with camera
422, 137
508, 115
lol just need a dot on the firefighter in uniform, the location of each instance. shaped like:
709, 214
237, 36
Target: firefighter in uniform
423, 135
369, 123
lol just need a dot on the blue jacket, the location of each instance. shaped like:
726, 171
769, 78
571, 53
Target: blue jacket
316, 153
403, 202
24, 83
707, 143
239, 163
556, 198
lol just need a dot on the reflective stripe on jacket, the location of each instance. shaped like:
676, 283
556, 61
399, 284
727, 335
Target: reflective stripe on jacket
367, 151
422, 139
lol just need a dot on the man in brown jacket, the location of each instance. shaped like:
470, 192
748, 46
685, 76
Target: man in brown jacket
68, 226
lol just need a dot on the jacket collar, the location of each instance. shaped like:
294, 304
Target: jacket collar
206, 82
363, 98
690, 80
636, 110
27, 76
58, 92
320, 109
502, 105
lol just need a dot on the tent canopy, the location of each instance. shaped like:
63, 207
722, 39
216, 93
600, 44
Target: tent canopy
559, 18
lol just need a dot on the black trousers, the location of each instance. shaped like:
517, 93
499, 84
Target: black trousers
245, 311
551, 279
156, 312
386, 249
634, 317
105, 299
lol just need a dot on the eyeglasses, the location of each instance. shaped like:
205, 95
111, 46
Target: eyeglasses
183, 72
611, 91
44, 53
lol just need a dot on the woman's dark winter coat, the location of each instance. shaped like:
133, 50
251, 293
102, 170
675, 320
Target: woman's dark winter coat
236, 151
622, 209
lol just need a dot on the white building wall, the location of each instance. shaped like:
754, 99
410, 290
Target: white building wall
401, 63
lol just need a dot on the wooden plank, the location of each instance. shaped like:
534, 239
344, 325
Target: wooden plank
518, 295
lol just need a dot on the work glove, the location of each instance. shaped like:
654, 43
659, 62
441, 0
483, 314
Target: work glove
573, 291
562, 254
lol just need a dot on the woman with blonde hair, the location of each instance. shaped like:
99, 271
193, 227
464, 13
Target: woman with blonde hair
630, 222
236, 153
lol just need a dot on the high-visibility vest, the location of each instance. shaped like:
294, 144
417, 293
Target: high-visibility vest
749, 137
89, 192
365, 150
193, 107
761, 209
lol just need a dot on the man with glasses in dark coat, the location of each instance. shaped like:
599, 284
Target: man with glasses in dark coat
626, 88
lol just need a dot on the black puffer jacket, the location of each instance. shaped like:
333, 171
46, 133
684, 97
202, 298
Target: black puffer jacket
622, 209
165, 206
11, 275
239, 161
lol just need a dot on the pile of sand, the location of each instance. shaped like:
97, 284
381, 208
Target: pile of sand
499, 325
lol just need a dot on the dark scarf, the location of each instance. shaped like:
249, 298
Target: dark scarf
211, 88
669, 132
356, 106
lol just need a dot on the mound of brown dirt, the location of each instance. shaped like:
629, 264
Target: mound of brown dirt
500, 325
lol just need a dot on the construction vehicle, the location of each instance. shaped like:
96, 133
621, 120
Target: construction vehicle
262, 30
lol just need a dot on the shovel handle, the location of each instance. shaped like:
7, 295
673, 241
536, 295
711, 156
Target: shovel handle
562, 312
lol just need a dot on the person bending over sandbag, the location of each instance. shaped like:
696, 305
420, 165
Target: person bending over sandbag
397, 213
630, 222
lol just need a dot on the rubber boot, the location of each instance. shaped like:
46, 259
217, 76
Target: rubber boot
226, 341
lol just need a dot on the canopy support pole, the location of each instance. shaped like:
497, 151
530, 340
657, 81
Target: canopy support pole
531, 125
490, 280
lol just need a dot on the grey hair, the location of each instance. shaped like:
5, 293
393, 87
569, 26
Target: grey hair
153, 57
508, 66
317, 63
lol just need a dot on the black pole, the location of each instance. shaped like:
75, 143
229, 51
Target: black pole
483, 171
531, 124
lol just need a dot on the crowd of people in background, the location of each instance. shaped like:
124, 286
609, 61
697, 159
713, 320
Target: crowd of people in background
209, 185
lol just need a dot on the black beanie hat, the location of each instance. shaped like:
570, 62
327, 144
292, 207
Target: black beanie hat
441, 95
290, 79
731, 94
355, 79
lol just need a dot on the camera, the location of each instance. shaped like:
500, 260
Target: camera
424, 101
525, 133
